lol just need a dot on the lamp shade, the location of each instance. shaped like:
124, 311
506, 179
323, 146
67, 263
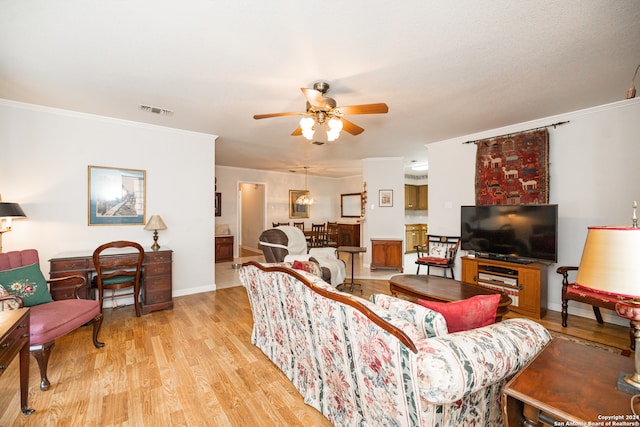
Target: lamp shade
610, 260
155, 223
11, 210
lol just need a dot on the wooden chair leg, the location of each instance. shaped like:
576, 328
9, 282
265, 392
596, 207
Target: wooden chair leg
41, 354
565, 308
596, 311
632, 336
136, 300
97, 323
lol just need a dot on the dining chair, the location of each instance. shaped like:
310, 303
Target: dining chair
116, 273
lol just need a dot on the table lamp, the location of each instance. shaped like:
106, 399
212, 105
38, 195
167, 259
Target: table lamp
155, 223
610, 265
8, 211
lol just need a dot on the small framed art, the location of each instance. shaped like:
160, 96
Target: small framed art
386, 198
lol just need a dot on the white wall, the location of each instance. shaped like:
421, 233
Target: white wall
383, 222
594, 179
45, 157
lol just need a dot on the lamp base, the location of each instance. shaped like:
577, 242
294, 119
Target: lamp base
627, 383
155, 245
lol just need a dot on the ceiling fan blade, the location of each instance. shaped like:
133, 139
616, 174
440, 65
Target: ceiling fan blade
314, 97
379, 108
351, 127
267, 116
297, 132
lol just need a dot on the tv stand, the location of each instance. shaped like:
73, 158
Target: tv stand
526, 284
503, 258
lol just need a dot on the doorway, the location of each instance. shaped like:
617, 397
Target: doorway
252, 215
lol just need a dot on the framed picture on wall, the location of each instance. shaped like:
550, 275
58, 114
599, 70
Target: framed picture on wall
116, 196
298, 210
386, 198
218, 204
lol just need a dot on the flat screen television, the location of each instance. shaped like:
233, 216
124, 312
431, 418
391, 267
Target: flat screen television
515, 233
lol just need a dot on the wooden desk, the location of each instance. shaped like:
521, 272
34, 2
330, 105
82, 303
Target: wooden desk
156, 275
444, 290
14, 329
569, 384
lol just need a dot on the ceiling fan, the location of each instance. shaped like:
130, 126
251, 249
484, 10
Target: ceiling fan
322, 110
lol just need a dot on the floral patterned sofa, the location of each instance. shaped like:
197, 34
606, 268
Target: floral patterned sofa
383, 363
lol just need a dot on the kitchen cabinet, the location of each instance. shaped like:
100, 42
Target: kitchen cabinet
415, 234
416, 197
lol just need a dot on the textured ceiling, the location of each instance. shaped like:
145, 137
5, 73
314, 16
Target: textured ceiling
444, 68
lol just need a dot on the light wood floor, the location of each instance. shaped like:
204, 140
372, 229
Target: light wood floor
190, 366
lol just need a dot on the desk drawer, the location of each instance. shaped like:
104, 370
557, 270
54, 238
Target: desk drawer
157, 269
63, 265
157, 296
157, 257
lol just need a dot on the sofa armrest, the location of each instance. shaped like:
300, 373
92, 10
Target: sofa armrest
452, 366
430, 322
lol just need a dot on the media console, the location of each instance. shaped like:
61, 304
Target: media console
526, 284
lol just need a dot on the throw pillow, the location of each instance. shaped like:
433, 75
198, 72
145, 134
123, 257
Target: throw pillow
466, 314
28, 283
438, 252
308, 266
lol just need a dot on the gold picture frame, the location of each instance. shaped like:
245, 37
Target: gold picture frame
295, 210
117, 196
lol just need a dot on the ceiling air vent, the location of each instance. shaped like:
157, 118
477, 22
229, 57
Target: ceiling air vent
318, 143
155, 110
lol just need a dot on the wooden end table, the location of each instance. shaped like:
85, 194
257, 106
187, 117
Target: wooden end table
569, 384
440, 289
351, 250
14, 339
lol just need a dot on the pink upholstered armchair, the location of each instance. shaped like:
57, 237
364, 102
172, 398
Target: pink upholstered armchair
49, 320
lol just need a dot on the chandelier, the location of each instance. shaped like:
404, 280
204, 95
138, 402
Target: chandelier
306, 198
314, 119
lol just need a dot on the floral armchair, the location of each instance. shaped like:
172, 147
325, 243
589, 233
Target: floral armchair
386, 361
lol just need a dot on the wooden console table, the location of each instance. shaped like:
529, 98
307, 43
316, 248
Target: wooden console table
156, 275
14, 331
569, 384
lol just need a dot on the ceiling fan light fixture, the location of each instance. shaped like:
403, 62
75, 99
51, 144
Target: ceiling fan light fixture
308, 133
332, 135
335, 124
306, 123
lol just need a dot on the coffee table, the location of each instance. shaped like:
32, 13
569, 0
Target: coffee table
569, 384
421, 286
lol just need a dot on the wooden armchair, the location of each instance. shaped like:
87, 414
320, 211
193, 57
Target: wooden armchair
439, 251
574, 292
50, 320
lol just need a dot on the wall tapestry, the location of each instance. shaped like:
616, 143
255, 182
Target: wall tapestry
513, 169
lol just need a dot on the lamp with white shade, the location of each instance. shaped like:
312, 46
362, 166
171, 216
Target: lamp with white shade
610, 265
155, 223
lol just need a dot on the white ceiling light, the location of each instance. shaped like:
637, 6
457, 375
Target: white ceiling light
421, 167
